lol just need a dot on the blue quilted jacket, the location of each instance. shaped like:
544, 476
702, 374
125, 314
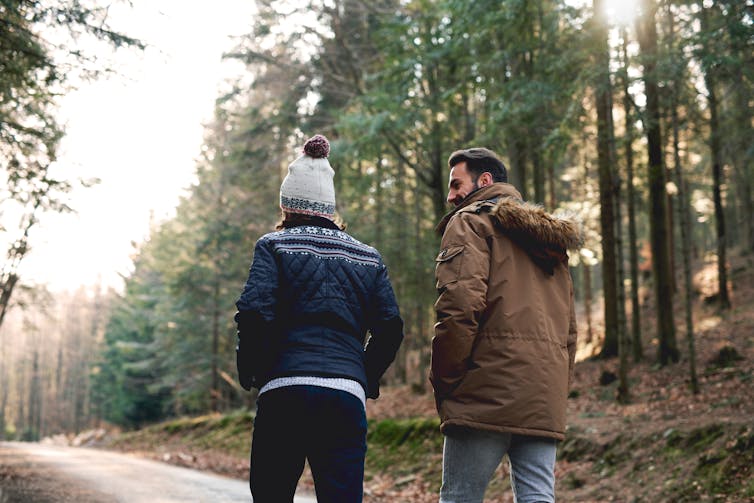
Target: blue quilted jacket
312, 295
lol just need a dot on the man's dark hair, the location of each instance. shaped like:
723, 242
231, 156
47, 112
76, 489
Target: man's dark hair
479, 160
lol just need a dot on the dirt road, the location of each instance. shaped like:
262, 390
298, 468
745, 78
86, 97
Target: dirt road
46, 474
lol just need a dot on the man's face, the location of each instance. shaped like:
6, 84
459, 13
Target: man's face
461, 184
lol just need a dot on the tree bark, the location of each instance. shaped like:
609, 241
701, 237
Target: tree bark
742, 117
684, 220
717, 179
3, 389
421, 344
552, 193
683, 209
518, 172
588, 300
539, 174
667, 349
379, 206
636, 345
606, 185
215, 390
623, 343
35, 402
401, 230
685, 227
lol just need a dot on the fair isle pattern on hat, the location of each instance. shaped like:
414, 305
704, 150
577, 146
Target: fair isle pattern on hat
314, 208
308, 187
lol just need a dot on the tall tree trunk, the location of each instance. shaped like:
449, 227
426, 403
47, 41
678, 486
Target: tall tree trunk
3, 406
21, 382
518, 174
743, 182
378, 219
684, 222
419, 335
553, 197
539, 174
215, 391
683, 209
742, 157
606, 183
436, 153
588, 300
717, 182
400, 283
587, 267
623, 343
667, 349
3, 389
469, 122
35, 401
710, 81
738, 19
636, 345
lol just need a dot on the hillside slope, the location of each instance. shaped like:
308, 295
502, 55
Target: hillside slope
665, 445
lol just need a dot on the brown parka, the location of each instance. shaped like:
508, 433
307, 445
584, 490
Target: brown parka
505, 337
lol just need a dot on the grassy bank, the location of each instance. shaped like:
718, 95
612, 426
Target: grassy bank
712, 462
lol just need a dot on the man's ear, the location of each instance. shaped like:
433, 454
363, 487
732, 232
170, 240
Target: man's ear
485, 179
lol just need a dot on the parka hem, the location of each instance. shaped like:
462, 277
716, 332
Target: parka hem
449, 424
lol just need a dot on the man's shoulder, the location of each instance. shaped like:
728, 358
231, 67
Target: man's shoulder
475, 214
478, 207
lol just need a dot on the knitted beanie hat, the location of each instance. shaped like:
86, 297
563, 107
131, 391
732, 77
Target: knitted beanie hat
308, 187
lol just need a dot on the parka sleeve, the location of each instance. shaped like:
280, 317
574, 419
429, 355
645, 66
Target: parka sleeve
462, 270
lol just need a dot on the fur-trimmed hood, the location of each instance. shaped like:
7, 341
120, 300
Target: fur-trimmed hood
550, 230
546, 237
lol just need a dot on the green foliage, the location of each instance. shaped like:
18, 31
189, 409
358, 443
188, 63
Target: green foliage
124, 380
397, 86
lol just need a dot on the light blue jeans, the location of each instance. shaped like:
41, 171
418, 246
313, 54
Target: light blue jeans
470, 457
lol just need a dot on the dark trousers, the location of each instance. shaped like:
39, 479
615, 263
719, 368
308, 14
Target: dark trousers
326, 426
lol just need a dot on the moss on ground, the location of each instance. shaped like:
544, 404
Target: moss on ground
714, 459
404, 447
228, 433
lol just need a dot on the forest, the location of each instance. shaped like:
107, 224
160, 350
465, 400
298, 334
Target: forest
642, 126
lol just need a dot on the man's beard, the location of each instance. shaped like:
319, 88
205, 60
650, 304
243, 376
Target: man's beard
474, 189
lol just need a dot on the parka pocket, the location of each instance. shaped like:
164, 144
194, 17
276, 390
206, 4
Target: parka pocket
448, 265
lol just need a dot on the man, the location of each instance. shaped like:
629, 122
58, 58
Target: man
505, 337
312, 294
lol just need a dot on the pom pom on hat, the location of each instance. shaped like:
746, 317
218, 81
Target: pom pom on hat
317, 147
308, 187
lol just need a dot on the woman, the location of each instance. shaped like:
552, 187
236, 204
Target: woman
312, 295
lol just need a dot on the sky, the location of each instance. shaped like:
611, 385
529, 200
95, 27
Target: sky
139, 132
